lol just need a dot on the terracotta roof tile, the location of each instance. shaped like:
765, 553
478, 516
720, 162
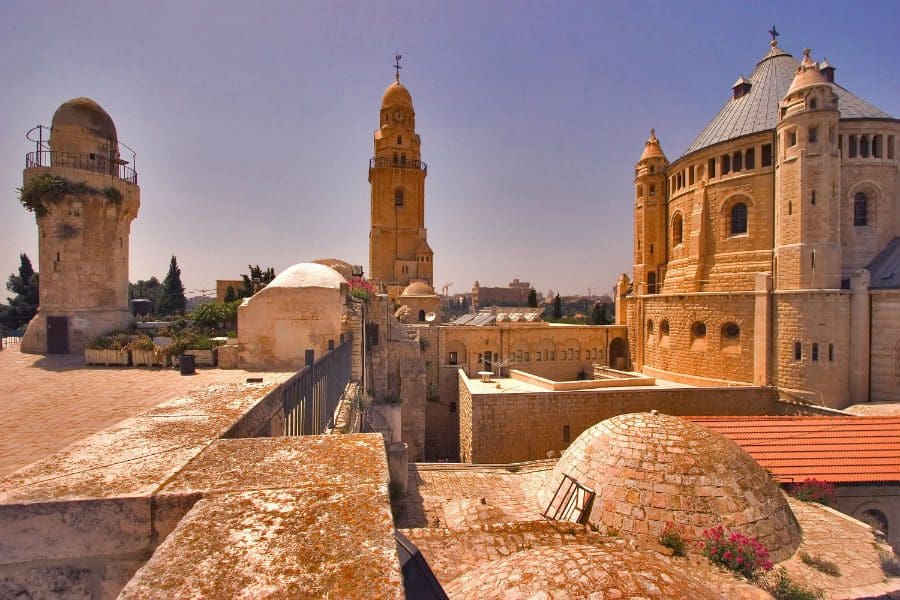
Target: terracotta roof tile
835, 449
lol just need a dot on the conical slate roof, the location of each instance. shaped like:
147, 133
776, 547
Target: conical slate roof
757, 110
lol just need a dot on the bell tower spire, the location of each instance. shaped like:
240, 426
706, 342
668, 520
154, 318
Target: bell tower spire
399, 253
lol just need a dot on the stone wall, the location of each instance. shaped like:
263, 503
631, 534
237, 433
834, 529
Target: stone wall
397, 372
511, 427
885, 370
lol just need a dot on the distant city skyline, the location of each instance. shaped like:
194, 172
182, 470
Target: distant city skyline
253, 128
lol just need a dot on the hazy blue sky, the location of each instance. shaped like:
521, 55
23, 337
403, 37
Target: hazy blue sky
253, 121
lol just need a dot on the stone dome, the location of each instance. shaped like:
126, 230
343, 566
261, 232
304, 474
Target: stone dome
578, 571
649, 468
84, 112
308, 275
396, 95
341, 266
652, 148
808, 75
418, 288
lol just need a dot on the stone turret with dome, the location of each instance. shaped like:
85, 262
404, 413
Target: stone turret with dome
83, 233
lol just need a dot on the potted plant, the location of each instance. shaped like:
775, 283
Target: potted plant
111, 349
145, 352
195, 343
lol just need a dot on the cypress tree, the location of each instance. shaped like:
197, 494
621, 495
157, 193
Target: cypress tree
172, 300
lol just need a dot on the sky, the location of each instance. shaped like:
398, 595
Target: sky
253, 121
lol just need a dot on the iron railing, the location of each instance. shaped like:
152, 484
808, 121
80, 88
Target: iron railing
311, 396
97, 163
395, 163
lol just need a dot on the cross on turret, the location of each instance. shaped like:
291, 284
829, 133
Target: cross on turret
397, 66
774, 33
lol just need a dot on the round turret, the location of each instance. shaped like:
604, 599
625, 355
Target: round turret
708, 480
808, 75
652, 149
86, 114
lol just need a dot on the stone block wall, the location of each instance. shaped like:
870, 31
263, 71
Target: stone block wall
512, 427
885, 373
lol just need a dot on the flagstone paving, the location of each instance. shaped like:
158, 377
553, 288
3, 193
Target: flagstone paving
48, 402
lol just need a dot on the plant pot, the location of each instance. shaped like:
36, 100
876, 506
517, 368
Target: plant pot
106, 357
150, 358
202, 358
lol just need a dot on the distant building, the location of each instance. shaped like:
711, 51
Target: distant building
515, 294
768, 253
222, 286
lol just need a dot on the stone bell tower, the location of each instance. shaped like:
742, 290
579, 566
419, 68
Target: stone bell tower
84, 198
398, 241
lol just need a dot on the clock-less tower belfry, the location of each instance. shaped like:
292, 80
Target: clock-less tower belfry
399, 253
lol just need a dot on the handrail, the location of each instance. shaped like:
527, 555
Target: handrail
311, 396
96, 163
395, 163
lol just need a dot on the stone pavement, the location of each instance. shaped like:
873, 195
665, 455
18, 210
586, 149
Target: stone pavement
48, 402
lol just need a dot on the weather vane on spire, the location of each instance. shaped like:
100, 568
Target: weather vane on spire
774, 33
397, 66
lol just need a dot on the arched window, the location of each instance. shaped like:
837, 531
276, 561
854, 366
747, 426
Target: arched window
664, 327
399, 140
726, 164
852, 149
830, 352
860, 209
798, 351
677, 229
738, 218
398, 197
738, 161
649, 327
422, 315
815, 352
864, 146
651, 282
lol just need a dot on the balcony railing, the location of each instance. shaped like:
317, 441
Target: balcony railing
397, 163
311, 396
97, 163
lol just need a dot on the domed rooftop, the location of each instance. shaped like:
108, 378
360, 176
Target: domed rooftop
308, 275
649, 468
418, 288
578, 571
396, 95
808, 75
757, 110
84, 112
652, 147
341, 266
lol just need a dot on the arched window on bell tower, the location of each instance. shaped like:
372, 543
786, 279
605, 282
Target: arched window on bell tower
398, 197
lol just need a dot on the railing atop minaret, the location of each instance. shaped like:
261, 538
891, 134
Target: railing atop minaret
397, 163
87, 162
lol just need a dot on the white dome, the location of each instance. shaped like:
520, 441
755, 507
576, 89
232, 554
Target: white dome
308, 275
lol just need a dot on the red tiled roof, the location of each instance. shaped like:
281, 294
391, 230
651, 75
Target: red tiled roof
835, 449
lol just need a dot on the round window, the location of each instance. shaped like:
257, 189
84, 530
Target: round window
731, 330
699, 330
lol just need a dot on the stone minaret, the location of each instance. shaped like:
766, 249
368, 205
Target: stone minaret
398, 246
85, 199
650, 217
807, 184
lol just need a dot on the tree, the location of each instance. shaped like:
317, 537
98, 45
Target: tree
256, 277
230, 294
172, 300
557, 307
149, 289
23, 306
532, 298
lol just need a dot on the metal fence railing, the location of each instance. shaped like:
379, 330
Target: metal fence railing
97, 163
311, 396
10, 337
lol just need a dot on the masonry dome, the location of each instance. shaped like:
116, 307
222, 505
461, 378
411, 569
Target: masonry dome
418, 288
396, 94
649, 468
87, 114
308, 275
577, 571
341, 266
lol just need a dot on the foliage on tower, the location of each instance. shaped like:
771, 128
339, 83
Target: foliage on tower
172, 300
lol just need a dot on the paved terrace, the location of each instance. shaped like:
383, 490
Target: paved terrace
48, 402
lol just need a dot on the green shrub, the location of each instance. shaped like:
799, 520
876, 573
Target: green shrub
111, 341
142, 342
825, 566
45, 189
782, 587
676, 538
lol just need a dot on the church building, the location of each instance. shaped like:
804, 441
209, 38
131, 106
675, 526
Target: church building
768, 252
